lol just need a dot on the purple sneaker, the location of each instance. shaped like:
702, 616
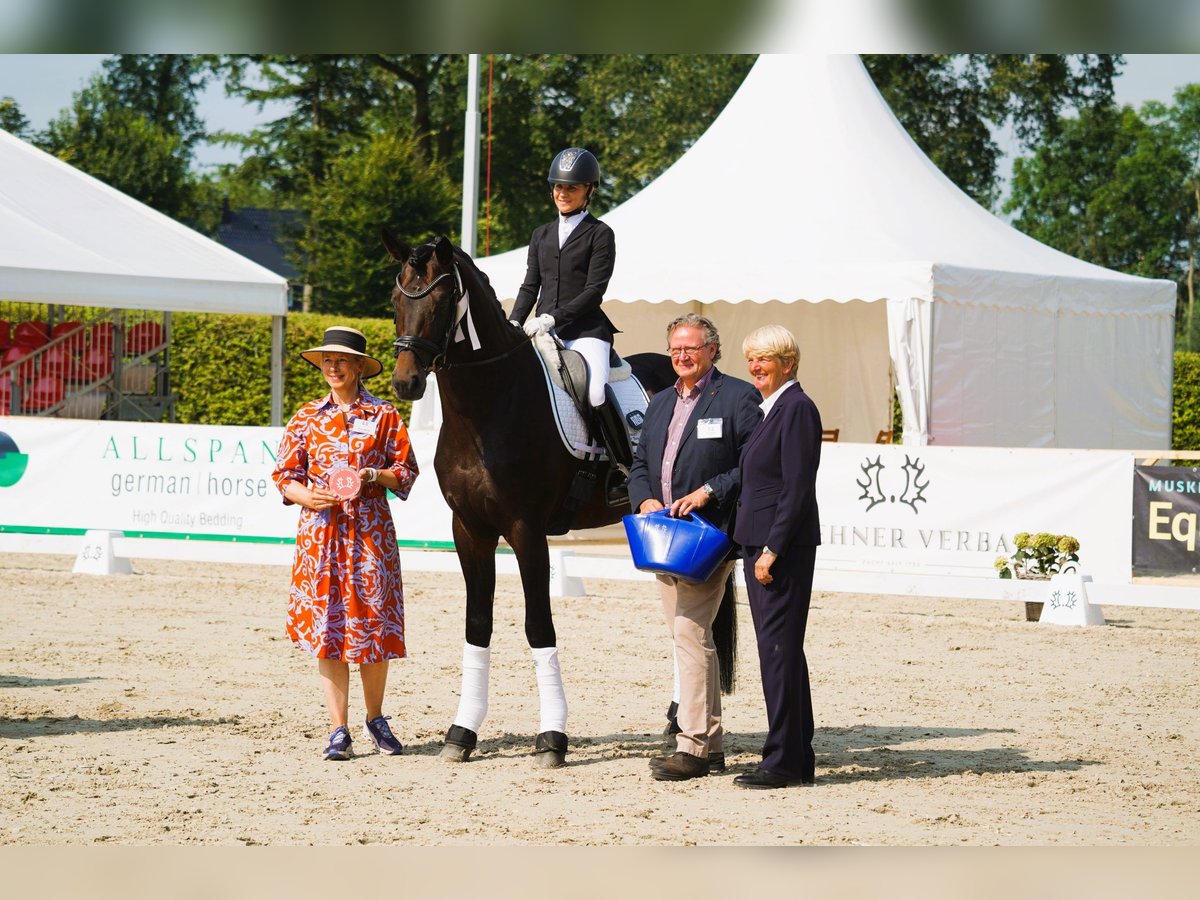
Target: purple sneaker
339, 744
380, 734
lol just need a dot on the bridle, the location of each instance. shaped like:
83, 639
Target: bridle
413, 344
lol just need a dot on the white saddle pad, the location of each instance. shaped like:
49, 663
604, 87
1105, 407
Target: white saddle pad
572, 429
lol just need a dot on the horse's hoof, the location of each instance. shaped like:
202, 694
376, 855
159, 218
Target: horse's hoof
550, 750
458, 744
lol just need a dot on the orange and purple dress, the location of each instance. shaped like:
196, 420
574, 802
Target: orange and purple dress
347, 597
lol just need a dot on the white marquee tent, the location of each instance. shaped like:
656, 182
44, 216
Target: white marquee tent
807, 204
67, 238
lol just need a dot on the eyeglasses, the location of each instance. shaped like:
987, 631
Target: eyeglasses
677, 352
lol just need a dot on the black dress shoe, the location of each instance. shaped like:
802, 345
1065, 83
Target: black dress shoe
762, 779
680, 767
716, 762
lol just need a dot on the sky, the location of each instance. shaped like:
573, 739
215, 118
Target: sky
43, 84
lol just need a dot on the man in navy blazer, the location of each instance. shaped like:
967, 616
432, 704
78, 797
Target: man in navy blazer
779, 530
687, 460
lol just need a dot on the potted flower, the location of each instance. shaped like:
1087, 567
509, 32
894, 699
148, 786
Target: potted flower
1039, 556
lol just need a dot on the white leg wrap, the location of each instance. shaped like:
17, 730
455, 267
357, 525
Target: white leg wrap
550, 689
473, 702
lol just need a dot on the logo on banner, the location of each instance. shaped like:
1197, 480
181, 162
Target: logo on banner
1166, 519
12, 461
879, 485
1058, 602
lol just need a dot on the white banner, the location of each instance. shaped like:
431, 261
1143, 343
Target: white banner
932, 510
159, 480
955, 509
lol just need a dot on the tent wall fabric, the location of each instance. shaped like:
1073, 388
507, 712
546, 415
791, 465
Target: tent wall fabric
806, 193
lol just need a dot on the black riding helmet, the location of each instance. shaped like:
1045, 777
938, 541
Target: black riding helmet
574, 166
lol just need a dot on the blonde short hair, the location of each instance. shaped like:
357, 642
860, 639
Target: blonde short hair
772, 340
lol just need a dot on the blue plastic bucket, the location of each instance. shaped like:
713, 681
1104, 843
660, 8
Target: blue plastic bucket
688, 547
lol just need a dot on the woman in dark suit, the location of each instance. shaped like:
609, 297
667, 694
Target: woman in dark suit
778, 529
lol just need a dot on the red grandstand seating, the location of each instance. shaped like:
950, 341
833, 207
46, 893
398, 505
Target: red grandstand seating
35, 334
75, 342
143, 337
16, 353
101, 335
59, 361
95, 364
5, 335
6, 393
46, 391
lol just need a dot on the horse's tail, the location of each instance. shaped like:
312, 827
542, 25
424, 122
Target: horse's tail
725, 635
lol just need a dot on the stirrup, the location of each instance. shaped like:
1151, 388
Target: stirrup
616, 487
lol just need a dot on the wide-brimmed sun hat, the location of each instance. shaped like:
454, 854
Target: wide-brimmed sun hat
343, 339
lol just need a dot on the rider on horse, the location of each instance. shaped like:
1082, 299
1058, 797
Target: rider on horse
570, 263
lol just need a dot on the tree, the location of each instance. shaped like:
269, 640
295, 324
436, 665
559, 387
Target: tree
638, 113
1110, 187
164, 88
383, 182
113, 142
134, 126
12, 119
1184, 117
952, 105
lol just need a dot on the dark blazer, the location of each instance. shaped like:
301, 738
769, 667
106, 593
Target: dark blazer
778, 503
700, 460
569, 284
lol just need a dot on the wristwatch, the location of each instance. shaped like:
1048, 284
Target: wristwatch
767, 549
707, 488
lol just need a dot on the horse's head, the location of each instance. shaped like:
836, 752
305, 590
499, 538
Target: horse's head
424, 300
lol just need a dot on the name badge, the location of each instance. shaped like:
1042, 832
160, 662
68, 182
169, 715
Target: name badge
362, 426
708, 428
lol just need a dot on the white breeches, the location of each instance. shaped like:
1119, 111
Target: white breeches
595, 351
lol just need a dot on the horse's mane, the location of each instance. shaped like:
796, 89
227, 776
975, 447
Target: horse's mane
475, 280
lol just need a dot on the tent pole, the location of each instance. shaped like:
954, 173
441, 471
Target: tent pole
277, 369
470, 204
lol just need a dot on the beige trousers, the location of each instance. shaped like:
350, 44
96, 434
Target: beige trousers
689, 610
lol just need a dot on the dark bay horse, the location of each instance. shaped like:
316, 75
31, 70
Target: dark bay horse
501, 467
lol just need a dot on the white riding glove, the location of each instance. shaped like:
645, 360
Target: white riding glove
539, 325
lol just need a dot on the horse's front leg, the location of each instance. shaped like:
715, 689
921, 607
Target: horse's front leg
477, 558
533, 559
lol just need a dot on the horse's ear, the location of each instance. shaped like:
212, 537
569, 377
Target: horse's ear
399, 250
443, 250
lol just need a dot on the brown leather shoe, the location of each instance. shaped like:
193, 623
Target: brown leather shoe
716, 762
680, 767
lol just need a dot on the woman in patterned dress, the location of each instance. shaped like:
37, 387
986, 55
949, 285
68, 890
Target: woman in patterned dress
346, 603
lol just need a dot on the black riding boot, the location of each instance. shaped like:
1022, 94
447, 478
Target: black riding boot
612, 433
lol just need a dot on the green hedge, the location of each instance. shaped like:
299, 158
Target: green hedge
1186, 413
220, 365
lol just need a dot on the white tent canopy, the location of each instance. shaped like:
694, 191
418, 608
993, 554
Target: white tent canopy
805, 190
67, 238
